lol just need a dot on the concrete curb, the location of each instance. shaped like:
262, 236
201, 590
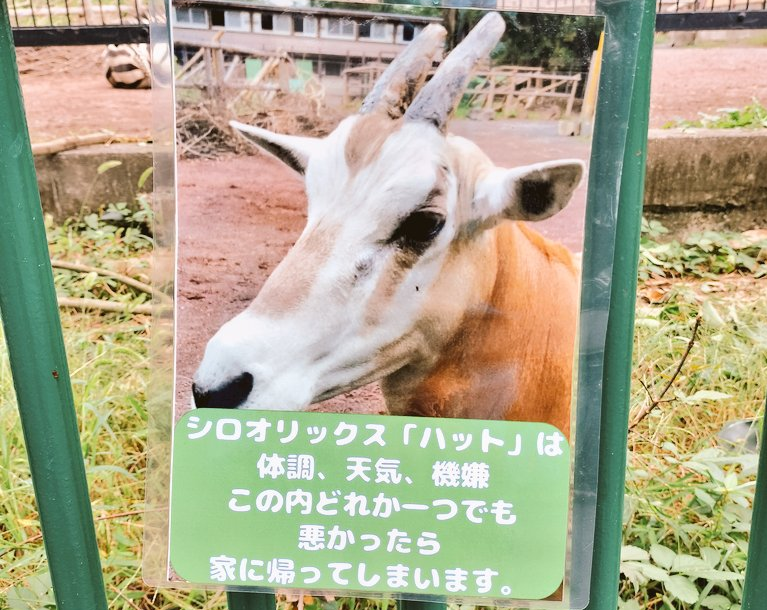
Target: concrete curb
706, 170
70, 184
689, 172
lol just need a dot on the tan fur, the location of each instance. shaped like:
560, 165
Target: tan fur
512, 357
366, 139
385, 289
292, 280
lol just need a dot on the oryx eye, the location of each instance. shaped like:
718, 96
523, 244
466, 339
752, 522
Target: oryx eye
418, 230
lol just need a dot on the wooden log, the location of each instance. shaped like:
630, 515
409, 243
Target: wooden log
69, 142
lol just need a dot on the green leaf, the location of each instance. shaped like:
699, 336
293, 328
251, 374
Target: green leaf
711, 556
631, 604
107, 165
706, 395
92, 221
683, 563
633, 553
37, 595
662, 555
654, 573
719, 575
730, 481
682, 588
705, 497
145, 176
711, 316
716, 602
641, 572
633, 572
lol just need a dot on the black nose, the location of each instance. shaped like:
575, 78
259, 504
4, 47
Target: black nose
228, 396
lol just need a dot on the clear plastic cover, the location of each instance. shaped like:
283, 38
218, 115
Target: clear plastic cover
225, 222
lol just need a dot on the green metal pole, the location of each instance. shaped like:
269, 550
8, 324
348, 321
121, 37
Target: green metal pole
755, 587
38, 361
237, 600
629, 72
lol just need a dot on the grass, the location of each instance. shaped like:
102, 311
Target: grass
688, 499
756, 38
751, 116
686, 519
109, 369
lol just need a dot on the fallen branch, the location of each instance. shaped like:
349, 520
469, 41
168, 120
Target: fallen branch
125, 279
654, 402
107, 517
112, 306
68, 143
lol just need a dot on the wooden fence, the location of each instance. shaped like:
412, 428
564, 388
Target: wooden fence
503, 89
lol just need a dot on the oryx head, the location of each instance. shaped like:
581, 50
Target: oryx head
387, 264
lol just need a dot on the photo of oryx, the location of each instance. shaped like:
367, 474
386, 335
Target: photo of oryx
391, 265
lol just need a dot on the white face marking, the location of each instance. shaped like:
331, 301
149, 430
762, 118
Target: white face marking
360, 294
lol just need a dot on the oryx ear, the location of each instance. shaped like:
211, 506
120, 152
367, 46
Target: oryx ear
293, 151
531, 192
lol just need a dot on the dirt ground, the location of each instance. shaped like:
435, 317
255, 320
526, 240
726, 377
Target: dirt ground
66, 93
257, 205
73, 97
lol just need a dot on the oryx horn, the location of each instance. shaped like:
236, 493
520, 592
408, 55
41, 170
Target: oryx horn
395, 89
438, 97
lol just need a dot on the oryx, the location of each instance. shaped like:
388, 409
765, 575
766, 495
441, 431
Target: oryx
413, 269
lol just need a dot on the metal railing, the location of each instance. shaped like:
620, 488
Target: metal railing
83, 22
39, 367
574, 7
77, 22
680, 15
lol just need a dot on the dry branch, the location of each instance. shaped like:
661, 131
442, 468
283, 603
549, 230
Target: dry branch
654, 402
68, 143
107, 517
202, 129
111, 306
125, 279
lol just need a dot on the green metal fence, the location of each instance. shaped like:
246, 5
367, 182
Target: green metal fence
38, 361
41, 379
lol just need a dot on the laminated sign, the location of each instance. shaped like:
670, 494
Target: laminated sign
380, 214
344, 502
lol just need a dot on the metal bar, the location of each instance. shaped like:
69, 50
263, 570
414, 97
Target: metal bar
728, 20
38, 359
237, 600
410, 605
80, 35
50, 12
755, 586
624, 91
32, 12
69, 19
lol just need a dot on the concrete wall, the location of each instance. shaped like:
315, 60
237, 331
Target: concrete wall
701, 180
706, 169
70, 183
718, 173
